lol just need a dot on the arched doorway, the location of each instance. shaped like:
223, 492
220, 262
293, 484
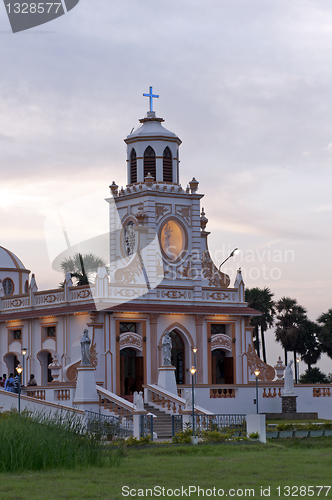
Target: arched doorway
131, 372
222, 367
12, 362
45, 359
178, 357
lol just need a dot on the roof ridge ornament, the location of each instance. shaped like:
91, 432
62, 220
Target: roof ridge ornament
151, 97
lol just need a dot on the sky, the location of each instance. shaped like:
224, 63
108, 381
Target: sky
246, 85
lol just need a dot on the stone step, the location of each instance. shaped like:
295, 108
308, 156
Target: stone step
162, 424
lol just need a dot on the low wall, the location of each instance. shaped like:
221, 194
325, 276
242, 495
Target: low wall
310, 398
9, 400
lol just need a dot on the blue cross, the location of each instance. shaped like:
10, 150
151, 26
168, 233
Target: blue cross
151, 96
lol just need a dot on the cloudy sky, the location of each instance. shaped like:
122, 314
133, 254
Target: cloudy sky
246, 85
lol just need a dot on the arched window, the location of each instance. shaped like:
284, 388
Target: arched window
178, 357
133, 167
167, 165
149, 162
8, 286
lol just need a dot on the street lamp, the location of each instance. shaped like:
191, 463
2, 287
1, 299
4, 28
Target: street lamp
257, 372
298, 369
193, 371
24, 352
194, 349
236, 251
19, 371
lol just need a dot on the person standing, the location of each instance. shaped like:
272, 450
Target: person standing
9, 385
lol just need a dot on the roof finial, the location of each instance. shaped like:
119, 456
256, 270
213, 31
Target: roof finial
151, 96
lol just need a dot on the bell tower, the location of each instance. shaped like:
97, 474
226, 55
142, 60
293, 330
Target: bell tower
152, 149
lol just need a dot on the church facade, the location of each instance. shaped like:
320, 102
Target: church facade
160, 278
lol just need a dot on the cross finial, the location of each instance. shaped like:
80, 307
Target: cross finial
151, 96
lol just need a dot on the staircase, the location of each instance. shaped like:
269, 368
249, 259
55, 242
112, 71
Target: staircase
162, 425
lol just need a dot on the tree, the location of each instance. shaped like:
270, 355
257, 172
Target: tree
261, 300
325, 334
314, 376
309, 345
290, 318
82, 267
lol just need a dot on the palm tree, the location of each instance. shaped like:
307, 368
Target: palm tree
82, 267
290, 317
309, 346
261, 300
325, 334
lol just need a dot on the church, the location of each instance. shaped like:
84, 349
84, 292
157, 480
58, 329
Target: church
159, 278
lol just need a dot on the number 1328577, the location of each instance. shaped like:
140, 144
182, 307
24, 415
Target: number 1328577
303, 491
33, 8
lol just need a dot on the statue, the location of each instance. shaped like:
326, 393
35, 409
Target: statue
288, 380
189, 400
138, 401
85, 349
167, 349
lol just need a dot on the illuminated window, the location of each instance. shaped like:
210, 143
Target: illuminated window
173, 240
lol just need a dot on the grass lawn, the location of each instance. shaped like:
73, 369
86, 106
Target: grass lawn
306, 462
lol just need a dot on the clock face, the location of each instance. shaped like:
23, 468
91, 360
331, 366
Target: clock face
173, 240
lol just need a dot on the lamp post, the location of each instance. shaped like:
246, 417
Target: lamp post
193, 371
19, 371
236, 251
298, 369
194, 349
257, 372
24, 351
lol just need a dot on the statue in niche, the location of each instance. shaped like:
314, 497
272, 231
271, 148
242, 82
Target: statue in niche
289, 380
167, 349
85, 349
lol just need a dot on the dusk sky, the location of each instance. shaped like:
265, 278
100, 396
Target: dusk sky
246, 85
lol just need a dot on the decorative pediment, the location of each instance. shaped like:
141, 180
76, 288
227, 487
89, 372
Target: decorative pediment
161, 210
185, 212
126, 275
212, 274
266, 372
221, 341
131, 340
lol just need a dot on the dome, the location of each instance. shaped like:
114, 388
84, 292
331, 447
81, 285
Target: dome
8, 260
151, 127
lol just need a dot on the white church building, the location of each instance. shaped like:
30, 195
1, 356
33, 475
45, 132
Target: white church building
160, 278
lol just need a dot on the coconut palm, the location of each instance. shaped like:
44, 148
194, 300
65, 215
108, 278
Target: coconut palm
325, 334
261, 300
290, 318
309, 345
82, 267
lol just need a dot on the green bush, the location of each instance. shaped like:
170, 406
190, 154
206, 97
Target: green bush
216, 436
284, 427
40, 441
254, 435
183, 436
133, 441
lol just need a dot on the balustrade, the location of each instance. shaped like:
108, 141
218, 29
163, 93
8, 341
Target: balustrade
37, 394
222, 393
317, 392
